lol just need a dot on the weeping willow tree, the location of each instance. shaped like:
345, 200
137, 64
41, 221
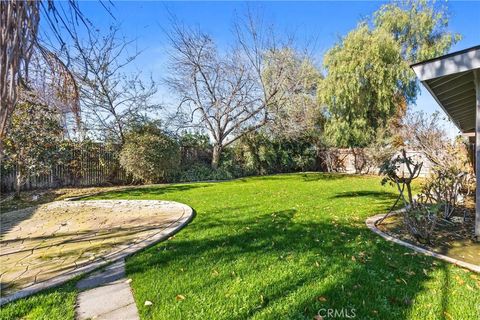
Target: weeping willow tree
369, 82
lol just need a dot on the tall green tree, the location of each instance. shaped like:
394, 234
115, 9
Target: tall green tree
420, 27
369, 82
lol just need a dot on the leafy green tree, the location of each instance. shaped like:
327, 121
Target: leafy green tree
369, 82
33, 141
363, 86
420, 27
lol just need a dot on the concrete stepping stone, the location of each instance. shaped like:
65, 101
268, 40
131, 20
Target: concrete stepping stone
107, 295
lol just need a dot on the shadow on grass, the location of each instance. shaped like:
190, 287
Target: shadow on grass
375, 278
150, 191
382, 195
306, 176
310, 177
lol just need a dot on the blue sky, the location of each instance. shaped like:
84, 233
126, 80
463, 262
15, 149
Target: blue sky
324, 22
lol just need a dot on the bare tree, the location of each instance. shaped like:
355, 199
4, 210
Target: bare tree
299, 114
226, 93
112, 97
425, 133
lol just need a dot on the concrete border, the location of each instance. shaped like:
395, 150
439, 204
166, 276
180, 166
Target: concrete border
371, 223
124, 252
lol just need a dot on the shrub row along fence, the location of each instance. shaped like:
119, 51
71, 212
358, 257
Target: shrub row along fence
97, 165
78, 167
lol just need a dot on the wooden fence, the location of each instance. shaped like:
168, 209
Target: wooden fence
91, 167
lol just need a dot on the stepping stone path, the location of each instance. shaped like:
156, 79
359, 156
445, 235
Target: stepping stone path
44, 246
107, 295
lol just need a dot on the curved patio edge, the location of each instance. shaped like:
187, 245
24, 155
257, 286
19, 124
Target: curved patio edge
164, 233
371, 223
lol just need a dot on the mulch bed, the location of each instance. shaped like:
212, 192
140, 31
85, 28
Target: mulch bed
452, 238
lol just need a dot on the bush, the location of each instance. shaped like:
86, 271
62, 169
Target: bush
203, 172
31, 143
195, 148
447, 187
196, 172
262, 154
150, 157
420, 221
439, 196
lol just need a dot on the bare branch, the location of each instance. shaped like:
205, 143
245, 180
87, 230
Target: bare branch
226, 92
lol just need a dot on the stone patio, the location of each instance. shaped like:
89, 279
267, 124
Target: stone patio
59, 240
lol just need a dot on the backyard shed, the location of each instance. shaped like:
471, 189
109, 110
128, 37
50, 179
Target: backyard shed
454, 81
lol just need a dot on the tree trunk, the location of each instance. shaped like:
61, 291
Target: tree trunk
217, 150
355, 160
18, 182
410, 194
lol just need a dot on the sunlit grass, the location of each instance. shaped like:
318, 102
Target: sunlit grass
286, 246
53, 304
282, 247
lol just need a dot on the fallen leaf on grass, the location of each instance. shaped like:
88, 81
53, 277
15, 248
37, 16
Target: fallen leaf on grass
459, 280
148, 303
322, 299
180, 297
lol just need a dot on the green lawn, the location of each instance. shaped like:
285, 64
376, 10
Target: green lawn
284, 247
53, 304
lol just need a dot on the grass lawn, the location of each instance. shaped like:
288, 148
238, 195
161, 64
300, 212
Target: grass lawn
283, 247
53, 304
